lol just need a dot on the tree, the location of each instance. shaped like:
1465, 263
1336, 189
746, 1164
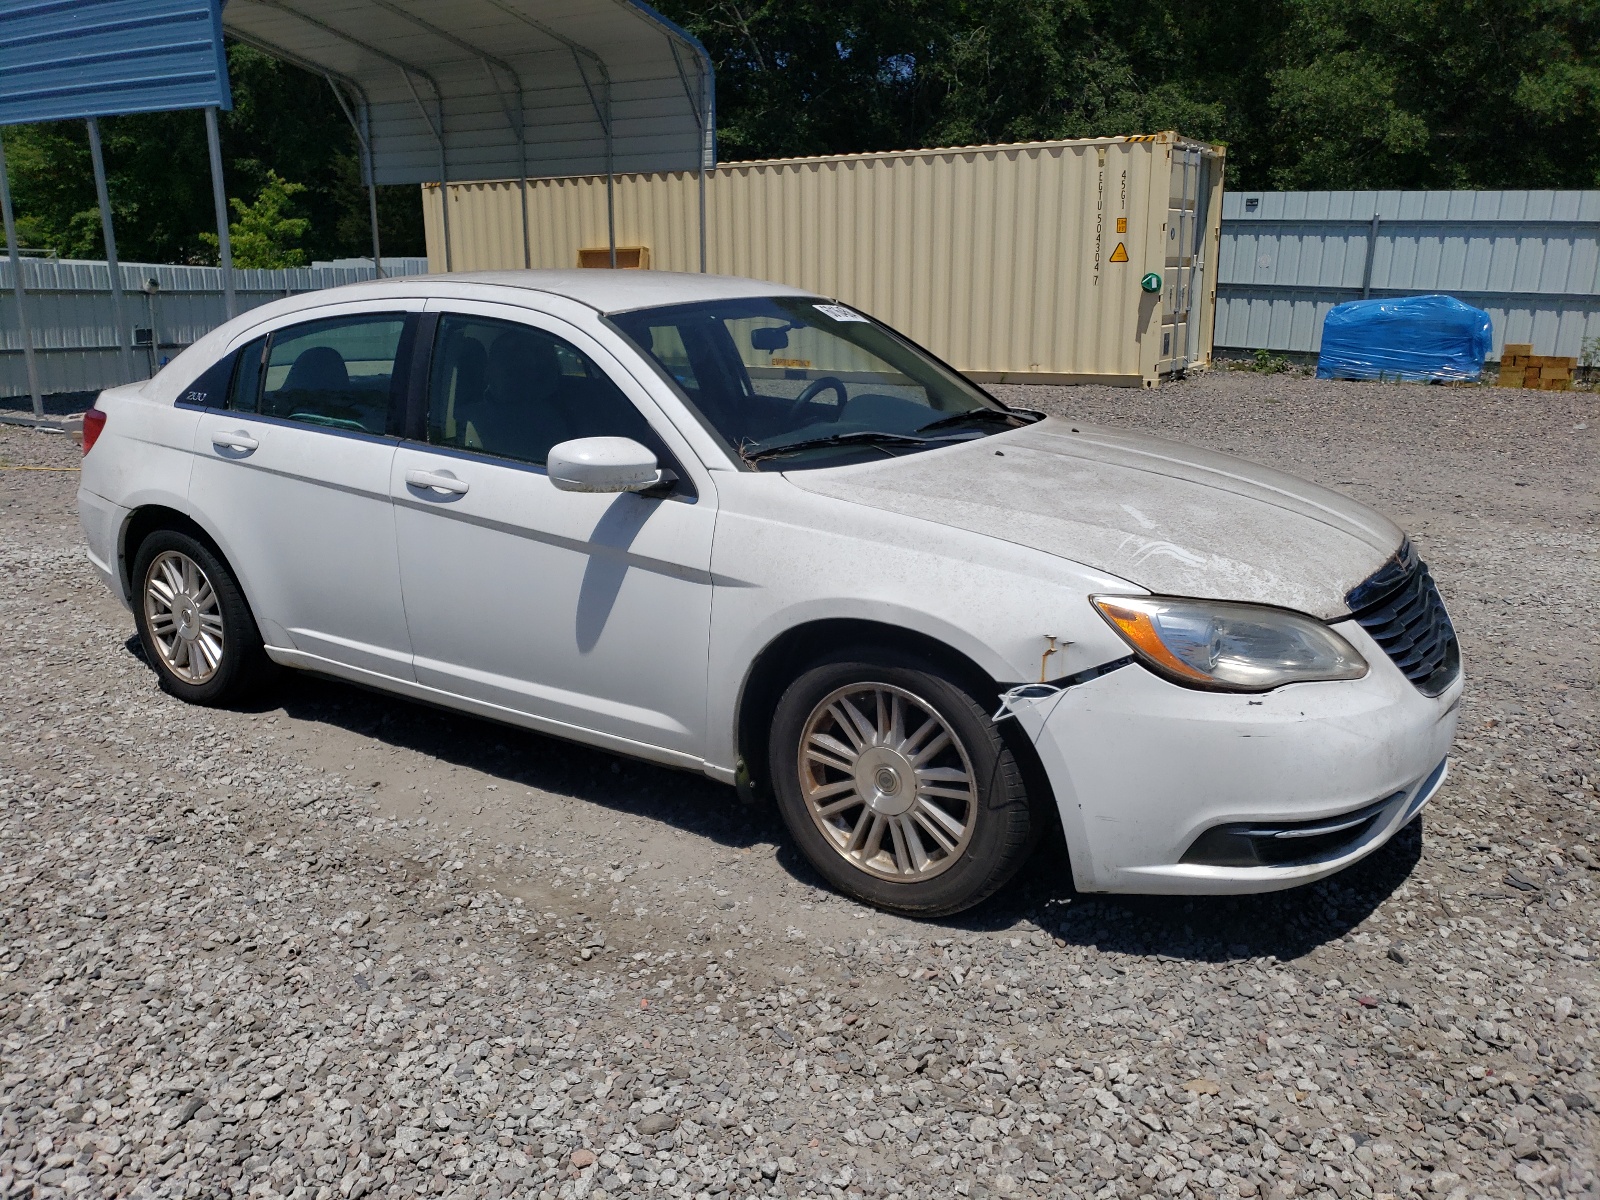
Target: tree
806, 77
1308, 93
1416, 93
283, 120
265, 234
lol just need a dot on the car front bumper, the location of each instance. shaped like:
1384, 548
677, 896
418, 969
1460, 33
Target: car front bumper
1141, 768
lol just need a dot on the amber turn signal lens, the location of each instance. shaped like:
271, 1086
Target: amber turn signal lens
1141, 634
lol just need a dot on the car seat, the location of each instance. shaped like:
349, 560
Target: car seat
522, 414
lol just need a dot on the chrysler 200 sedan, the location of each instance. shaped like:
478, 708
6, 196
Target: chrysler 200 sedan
745, 530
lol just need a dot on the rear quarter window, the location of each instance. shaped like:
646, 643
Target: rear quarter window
210, 390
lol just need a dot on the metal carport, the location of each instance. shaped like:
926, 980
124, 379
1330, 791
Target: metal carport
500, 89
463, 90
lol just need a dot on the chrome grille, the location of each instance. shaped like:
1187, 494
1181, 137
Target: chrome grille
1401, 608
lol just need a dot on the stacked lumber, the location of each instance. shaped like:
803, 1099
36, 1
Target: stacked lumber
1520, 367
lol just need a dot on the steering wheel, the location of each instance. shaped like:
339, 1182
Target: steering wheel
815, 388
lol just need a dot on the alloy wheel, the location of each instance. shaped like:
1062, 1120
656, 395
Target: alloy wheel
887, 782
184, 617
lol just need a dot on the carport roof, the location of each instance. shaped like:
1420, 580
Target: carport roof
500, 89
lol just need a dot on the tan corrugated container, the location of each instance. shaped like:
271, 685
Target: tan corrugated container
1017, 263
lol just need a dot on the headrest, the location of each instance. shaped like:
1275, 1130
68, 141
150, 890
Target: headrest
522, 364
469, 361
318, 369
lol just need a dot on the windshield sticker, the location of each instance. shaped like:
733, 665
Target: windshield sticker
839, 312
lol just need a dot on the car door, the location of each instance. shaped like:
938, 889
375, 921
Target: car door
292, 474
588, 612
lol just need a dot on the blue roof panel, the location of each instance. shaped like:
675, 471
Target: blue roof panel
67, 59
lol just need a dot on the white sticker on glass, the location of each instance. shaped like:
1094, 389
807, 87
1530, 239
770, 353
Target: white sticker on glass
838, 312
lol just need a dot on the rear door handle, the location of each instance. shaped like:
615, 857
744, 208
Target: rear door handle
437, 481
237, 440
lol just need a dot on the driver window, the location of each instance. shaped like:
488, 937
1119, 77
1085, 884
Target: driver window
513, 391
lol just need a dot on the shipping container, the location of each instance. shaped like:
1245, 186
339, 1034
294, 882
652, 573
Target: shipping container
1083, 261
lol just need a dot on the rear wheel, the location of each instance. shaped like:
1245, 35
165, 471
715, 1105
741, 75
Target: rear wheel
896, 786
193, 621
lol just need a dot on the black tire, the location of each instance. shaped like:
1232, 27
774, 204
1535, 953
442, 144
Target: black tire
970, 869
225, 666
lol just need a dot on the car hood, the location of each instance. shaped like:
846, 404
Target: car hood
1169, 517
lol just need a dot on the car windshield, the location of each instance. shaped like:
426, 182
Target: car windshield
793, 382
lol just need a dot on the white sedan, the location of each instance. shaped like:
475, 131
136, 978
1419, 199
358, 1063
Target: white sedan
737, 528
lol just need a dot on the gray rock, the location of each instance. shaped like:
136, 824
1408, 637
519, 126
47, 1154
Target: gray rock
190, 970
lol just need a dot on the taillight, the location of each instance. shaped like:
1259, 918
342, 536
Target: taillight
93, 422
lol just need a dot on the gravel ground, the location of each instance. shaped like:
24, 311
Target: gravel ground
342, 945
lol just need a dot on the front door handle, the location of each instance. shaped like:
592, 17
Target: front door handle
438, 481
237, 440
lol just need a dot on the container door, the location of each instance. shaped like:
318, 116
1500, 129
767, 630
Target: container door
1184, 229
1198, 287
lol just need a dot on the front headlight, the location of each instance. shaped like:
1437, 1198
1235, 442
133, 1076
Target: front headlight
1229, 647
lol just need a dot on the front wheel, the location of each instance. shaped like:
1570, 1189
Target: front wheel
896, 786
194, 624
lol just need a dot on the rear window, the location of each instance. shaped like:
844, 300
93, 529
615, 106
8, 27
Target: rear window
336, 373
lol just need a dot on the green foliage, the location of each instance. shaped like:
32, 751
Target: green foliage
265, 234
1307, 93
159, 178
1415, 93
1268, 363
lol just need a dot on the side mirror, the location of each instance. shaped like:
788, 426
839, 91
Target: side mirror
605, 464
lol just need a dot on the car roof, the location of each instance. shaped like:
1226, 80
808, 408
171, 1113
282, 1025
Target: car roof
609, 291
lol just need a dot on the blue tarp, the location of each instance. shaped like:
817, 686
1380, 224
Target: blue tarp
1416, 338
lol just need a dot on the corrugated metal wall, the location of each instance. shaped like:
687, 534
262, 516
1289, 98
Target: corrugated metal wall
99, 57
1000, 259
1530, 259
74, 322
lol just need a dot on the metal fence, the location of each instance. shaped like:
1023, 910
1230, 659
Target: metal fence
74, 322
1530, 259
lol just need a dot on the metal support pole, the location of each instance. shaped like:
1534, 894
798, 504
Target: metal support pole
219, 197
611, 189
364, 136
611, 212
372, 206
151, 287
361, 121
444, 208
16, 285
522, 183
150, 347
1372, 250
708, 161
699, 105
444, 166
124, 350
